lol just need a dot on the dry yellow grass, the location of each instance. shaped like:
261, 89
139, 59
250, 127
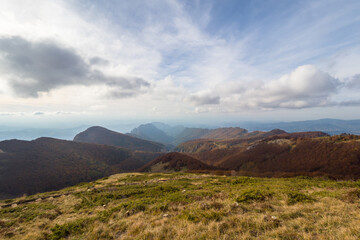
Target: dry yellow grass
190, 206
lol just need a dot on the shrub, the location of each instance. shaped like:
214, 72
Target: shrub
253, 195
296, 197
243, 180
62, 231
353, 196
168, 189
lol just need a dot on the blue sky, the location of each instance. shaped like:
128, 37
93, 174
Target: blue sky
92, 61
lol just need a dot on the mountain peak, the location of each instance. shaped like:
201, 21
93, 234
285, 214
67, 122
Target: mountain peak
101, 135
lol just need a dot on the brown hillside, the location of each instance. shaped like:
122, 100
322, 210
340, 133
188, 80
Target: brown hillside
189, 134
302, 156
300, 135
225, 133
100, 135
47, 164
243, 140
283, 154
175, 162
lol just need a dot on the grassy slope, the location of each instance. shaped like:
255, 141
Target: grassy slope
190, 206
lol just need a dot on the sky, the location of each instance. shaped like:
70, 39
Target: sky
68, 62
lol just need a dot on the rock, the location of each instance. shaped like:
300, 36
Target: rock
38, 200
166, 215
234, 206
273, 219
14, 205
204, 206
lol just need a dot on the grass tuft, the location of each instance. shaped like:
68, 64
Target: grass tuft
298, 197
253, 195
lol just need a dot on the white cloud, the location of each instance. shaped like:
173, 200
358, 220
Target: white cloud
204, 99
187, 69
306, 86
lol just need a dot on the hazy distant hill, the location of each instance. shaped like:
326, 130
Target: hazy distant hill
47, 164
181, 134
175, 162
189, 134
330, 126
105, 136
171, 131
151, 133
33, 133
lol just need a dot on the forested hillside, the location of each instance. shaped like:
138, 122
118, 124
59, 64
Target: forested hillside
46, 164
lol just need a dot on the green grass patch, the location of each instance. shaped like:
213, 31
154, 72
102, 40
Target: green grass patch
244, 180
298, 197
72, 228
253, 195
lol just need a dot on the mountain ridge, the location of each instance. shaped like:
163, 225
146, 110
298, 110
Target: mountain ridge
101, 135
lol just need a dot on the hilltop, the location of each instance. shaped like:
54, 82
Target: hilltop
188, 206
100, 135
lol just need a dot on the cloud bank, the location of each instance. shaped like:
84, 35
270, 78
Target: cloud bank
35, 67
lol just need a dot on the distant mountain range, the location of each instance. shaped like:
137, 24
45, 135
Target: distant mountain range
151, 132
7, 133
46, 164
175, 135
330, 126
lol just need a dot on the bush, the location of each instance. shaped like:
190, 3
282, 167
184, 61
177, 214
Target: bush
353, 196
62, 231
243, 180
198, 215
296, 197
253, 195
